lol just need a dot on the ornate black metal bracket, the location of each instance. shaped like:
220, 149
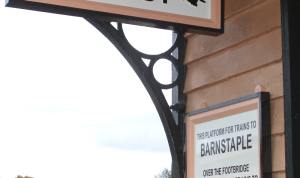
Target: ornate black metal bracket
172, 122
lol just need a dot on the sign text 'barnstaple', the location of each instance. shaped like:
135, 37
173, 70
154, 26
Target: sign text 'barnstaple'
225, 140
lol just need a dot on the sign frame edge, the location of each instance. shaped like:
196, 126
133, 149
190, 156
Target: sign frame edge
49, 8
265, 128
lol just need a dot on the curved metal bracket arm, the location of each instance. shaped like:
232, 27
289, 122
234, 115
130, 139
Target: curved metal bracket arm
174, 131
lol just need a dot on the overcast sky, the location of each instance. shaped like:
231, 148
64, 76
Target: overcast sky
70, 104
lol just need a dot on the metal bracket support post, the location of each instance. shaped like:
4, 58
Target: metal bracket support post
173, 123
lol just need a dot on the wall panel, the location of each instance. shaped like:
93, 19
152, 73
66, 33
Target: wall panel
229, 66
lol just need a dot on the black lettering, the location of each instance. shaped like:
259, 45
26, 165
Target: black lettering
228, 139
203, 150
232, 145
223, 146
222, 131
238, 142
212, 147
218, 147
247, 168
207, 149
243, 147
244, 126
208, 172
248, 141
231, 129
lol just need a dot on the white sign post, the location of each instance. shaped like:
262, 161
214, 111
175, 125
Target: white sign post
225, 142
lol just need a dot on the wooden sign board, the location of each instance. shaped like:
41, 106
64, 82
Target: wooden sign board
196, 16
226, 140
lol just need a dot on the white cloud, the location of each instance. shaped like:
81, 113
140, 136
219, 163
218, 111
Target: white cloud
65, 91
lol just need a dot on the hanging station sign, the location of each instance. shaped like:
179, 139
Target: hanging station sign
192, 15
225, 141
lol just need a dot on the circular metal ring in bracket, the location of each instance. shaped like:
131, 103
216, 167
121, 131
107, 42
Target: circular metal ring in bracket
148, 56
155, 58
151, 66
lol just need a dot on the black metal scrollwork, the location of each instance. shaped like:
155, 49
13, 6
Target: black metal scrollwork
174, 127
